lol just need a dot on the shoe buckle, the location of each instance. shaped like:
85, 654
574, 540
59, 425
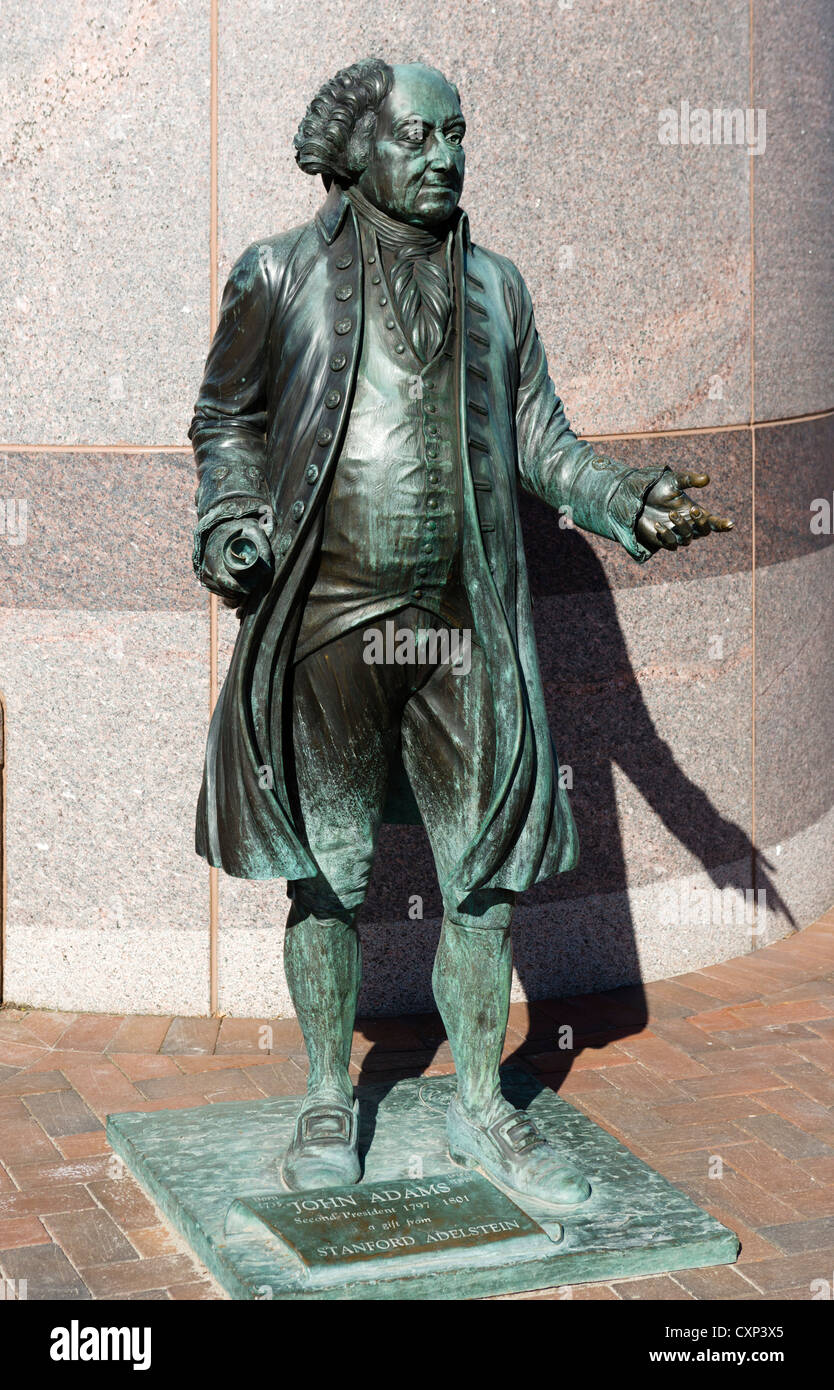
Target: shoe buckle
515, 1134
325, 1125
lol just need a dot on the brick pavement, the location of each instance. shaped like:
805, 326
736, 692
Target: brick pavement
722, 1079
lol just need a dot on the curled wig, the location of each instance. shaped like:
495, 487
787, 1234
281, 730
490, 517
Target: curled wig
332, 138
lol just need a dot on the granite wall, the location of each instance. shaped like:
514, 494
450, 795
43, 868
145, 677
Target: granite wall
684, 295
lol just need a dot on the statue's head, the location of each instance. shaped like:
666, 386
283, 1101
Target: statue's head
395, 132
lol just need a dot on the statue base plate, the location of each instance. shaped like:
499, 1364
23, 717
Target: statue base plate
417, 1226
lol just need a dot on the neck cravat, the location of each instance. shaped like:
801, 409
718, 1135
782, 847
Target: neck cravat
419, 286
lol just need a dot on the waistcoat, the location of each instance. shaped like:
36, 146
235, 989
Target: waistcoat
393, 517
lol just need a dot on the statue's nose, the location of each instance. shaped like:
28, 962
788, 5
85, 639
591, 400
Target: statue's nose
441, 155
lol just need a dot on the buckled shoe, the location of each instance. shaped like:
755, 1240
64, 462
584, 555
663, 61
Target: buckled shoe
324, 1148
513, 1153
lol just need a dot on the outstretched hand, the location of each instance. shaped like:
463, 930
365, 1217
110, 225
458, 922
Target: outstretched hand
669, 518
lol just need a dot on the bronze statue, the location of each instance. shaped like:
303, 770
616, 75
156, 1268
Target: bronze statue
375, 392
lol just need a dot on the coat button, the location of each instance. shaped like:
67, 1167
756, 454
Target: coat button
431, 451
344, 292
324, 436
337, 362
343, 262
297, 510
312, 474
284, 545
332, 399
343, 326
219, 473
418, 593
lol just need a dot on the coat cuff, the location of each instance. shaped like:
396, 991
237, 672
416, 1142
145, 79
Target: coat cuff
234, 478
626, 504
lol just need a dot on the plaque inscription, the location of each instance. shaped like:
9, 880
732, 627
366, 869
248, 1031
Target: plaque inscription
385, 1220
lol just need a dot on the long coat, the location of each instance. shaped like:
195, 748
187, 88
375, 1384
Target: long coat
267, 434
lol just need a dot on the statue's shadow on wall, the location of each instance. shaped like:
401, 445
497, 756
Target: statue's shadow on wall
598, 717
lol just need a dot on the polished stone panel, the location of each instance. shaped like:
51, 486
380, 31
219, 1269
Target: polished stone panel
793, 79
795, 714
204, 1166
794, 490
153, 968
251, 979
98, 531
104, 112
795, 663
104, 738
637, 253
105, 642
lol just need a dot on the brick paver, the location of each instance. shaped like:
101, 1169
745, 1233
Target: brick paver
722, 1079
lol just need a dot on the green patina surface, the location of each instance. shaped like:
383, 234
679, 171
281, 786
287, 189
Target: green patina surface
213, 1171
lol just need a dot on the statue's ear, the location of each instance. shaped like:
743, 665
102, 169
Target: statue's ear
359, 145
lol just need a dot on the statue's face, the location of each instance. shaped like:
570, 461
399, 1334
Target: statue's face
415, 170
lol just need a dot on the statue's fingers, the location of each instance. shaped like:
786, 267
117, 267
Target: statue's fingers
721, 523
699, 520
683, 530
665, 536
686, 480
